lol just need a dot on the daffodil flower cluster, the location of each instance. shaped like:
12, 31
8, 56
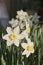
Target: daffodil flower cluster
20, 29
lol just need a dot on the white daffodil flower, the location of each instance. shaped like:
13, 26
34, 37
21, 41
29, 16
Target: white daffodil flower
23, 18
21, 15
35, 17
13, 36
26, 31
13, 22
28, 48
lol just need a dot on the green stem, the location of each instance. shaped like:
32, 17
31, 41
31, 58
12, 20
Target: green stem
3, 61
23, 62
22, 59
39, 56
13, 56
17, 56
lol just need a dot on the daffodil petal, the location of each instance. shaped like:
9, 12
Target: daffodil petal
21, 36
16, 30
32, 51
16, 43
6, 37
12, 21
25, 34
24, 45
24, 52
9, 30
27, 24
30, 43
9, 43
15, 23
28, 54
